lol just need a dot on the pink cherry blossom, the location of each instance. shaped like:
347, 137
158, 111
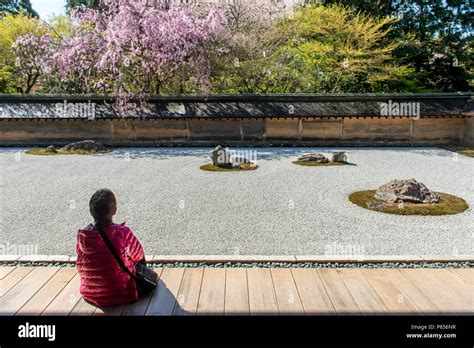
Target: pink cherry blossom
138, 48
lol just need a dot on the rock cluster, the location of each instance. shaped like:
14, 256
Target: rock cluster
340, 157
398, 191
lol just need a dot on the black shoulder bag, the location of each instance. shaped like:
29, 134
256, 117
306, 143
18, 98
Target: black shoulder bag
145, 279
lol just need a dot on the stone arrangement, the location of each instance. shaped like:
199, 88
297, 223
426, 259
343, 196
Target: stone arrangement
85, 145
336, 157
385, 198
400, 191
223, 158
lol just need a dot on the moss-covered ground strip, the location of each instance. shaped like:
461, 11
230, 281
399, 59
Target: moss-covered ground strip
447, 205
319, 164
244, 167
463, 150
44, 152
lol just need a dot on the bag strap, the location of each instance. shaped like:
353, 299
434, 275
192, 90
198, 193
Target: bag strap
112, 250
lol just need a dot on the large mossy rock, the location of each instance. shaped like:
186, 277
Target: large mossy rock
313, 157
412, 191
88, 145
223, 158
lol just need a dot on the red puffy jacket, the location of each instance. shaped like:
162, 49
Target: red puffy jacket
103, 282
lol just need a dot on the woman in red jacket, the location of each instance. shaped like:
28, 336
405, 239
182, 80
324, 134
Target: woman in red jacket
103, 282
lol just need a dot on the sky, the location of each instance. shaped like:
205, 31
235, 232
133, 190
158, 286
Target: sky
45, 8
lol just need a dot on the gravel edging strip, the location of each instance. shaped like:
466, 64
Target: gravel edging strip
262, 261
465, 264
417, 264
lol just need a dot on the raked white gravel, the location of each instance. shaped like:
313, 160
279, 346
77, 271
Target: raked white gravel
280, 208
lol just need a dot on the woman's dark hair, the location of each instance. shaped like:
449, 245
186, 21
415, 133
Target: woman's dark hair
101, 204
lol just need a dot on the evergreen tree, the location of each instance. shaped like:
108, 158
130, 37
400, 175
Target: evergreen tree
70, 4
16, 6
436, 37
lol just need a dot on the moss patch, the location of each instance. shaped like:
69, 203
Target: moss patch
467, 152
447, 205
319, 164
244, 167
463, 150
44, 152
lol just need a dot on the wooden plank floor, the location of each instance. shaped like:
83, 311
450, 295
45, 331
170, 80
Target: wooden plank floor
251, 291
